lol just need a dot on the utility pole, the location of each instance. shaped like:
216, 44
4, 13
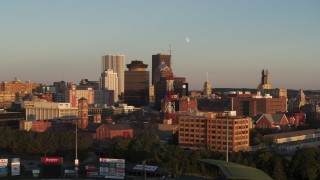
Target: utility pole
76, 161
227, 137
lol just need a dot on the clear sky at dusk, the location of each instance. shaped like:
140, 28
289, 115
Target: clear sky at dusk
46, 41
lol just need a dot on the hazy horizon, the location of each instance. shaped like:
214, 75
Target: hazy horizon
47, 41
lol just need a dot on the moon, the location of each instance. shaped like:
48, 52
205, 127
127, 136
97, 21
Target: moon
187, 39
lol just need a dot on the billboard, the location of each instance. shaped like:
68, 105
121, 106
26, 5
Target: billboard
3, 167
142, 167
15, 166
112, 168
51, 167
52, 160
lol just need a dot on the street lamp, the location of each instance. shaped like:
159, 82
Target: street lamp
76, 161
227, 137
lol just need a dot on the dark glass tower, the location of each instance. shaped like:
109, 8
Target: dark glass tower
136, 88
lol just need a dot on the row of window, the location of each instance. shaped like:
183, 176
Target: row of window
231, 121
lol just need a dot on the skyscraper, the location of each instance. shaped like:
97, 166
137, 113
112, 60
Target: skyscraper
136, 91
117, 64
109, 81
157, 59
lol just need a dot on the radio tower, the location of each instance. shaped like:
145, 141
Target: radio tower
169, 104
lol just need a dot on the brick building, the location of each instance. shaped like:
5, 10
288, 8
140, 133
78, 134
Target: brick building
251, 106
47, 97
185, 104
98, 131
206, 104
271, 121
118, 130
6, 99
210, 131
16, 86
41, 126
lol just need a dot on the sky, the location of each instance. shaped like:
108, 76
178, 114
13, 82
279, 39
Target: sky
47, 41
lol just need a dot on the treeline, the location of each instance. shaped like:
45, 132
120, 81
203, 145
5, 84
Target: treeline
305, 164
43, 144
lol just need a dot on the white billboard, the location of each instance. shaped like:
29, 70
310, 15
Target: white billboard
112, 168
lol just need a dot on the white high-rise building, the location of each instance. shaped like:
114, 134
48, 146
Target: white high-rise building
117, 64
109, 81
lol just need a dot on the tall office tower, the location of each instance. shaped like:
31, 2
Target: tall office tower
265, 82
83, 113
109, 81
157, 59
136, 92
116, 63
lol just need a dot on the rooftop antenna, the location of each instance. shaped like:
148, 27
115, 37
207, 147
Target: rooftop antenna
170, 56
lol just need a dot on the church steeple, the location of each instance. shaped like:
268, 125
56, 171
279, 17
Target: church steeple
265, 82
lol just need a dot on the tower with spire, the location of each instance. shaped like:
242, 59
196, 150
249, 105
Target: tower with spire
265, 82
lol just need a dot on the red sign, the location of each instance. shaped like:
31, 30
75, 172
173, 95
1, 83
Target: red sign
51, 160
91, 167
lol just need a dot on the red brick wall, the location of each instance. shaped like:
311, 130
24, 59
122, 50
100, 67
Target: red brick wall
263, 123
121, 133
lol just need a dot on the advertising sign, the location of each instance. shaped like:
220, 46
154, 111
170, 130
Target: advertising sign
112, 168
146, 167
15, 166
51, 167
51, 160
3, 167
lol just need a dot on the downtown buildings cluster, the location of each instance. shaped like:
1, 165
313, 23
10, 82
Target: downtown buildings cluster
123, 103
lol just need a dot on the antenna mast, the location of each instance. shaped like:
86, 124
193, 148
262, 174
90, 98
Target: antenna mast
170, 50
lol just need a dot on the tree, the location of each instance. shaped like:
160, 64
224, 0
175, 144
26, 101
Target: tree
305, 164
268, 140
278, 172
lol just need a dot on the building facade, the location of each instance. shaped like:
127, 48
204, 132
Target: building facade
157, 60
277, 93
73, 95
117, 64
6, 99
16, 86
271, 121
49, 111
119, 131
210, 131
251, 106
180, 89
83, 113
136, 91
186, 104
109, 81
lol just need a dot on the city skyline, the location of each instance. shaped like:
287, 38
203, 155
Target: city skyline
232, 41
